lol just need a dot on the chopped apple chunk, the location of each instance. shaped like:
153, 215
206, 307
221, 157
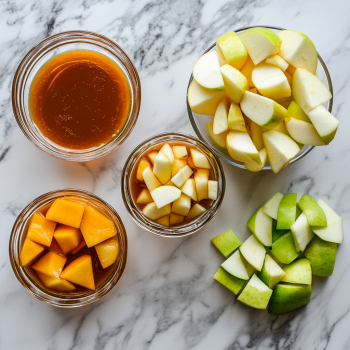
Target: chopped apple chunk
195, 211
142, 166
165, 220
153, 213
189, 188
107, 251
150, 179
177, 166
144, 197
182, 205
180, 151
182, 176
176, 219
199, 159
152, 156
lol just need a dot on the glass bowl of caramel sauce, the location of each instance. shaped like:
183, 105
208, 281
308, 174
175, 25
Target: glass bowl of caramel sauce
76, 95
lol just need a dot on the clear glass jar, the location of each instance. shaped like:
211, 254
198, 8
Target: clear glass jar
43, 52
32, 286
136, 214
199, 121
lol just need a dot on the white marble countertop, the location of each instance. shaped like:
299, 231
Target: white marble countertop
167, 298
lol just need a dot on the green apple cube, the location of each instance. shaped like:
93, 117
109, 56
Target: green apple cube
314, 213
334, 230
235, 266
271, 206
261, 226
232, 283
276, 234
287, 211
284, 249
227, 242
255, 294
294, 111
271, 272
299, 272
288, 297
218, 140
254, 252
322, 256
302, 233
253, 166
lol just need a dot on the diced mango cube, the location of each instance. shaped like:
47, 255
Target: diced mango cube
141, 167
107, 251
96, 227
144, 197
56, 283
164, 220
41, 230
67, 237
29, 252
66, 212
79, 247
54, 247
50, 264
79, 271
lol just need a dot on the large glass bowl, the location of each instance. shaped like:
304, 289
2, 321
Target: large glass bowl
199, 121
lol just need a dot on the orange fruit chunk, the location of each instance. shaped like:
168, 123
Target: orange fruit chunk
141, 167
41, 229
56, 283
50, 264
67, 237
80, 246
29, 252
107, 251
54, 247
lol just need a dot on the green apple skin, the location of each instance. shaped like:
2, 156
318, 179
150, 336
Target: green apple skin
227, 242
232, 283
294, 111
314, 213
262, 230
287, 211
286, 298
220, 139
322, 256
299, 272
284, 249
271, 206
276, 234
271, 272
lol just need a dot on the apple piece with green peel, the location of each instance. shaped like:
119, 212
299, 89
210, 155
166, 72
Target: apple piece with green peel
255, 294
271, 206
182, 205
235, 82
334, 230
206, 71
165, 195
201, 179
287, 211
180, 152
262, 110
322, 256
195, 211
212, 190
284, 249
230, 282
309, 91
254, 252
150, 179
277, 61
256, 133
253, 166
203, 101
235, 266
314, 213
260, 43
182, 176
199, 159
235, 118
220, 119
227, 242
302, 233
261, 226
271, 272
288, 297
298, 272
298, 50
162, 168
241, 147
220, 139
276, 234
247, 71
325, 123
153, 213
294, 111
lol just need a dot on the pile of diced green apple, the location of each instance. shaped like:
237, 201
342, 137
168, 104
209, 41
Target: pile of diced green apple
290, 242
266, 99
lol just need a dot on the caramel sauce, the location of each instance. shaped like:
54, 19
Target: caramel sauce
80, 99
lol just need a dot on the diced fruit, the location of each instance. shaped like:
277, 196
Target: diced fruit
262, 110
67, 237
232, 49
220, 119
298, 50
181, 177
203, 101
201, 179
165, 195
286, 298
235, 82
280, 149
235, 120
141, 167
270, 81
220, 139
165, 220
29, 252
276, 234
302, 233
287, 211
230, 282
150, 179
152, 156
206, 71
50, 264
277, 61
271, 206
271, 272
294, 111
260, 43
256, 133
308, 90
180, 151
182, 205
168, 152
153, 213
199, 159
176, 219
261, 226
235, 266
255, 294
254, 252
195, 211
298, 272
80, 272
254, 167
54, 247
314, 213
227, 242
322, 256
144, 197
66, 212
212, 189
177, 165
334, 230
41, 230
79, 247
96, 227
247, 71
56, 283
284, 249
107, 251
325, 123
162, 168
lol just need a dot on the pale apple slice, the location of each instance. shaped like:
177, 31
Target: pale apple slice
144, 197
201, 179
176, 219
254, 252
256, 134
253, 166
199, 159
235, 266
247, 71
177, 166
195, 211
203, 101
220, 119
218, 140
294, 111
325, 123
150, 179
165, 195
235, 120
152, 156
262, 110
189, 189
271, 206
181, 177
277, 61
180, 152
212, 189
260, 43
302, 233
298, 50
206, 71
153, 213
280, 149
168, 152
182, 205
235, 82
261, 226
162, 168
